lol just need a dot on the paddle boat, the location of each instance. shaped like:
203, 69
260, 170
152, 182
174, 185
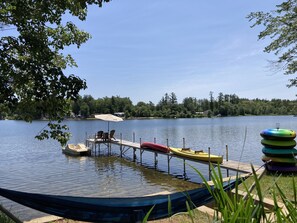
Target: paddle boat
196, 155
155, 146
76, 150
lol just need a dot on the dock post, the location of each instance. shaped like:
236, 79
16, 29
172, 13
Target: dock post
227, 158
134, 154
121, 145
133, 137
185, 174
141, 151
209, 169
168, 163
108, 148
155, 140
184, 143
87, 140
156, 160
94, 145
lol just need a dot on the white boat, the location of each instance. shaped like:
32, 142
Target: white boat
76, 150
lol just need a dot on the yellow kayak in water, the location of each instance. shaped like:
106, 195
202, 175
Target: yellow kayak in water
197, 155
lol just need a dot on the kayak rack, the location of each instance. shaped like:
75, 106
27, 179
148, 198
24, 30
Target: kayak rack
126, 145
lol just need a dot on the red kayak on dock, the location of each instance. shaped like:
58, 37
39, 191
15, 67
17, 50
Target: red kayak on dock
155, 146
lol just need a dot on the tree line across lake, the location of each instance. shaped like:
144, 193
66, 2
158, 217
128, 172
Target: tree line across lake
168, 107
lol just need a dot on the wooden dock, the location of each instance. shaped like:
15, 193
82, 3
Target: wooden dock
229, 165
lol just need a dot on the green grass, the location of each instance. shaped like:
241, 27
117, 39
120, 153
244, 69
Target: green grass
236, 209
268, 185
4, 218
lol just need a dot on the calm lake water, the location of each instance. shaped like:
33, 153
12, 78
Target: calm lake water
27, 164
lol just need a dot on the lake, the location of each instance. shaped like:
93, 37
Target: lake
27, 164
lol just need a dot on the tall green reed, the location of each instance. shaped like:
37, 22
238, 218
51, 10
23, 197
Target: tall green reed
235, 208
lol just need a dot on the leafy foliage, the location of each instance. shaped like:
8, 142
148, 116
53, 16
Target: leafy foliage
281, 26
224, 105
32, 76
190, 107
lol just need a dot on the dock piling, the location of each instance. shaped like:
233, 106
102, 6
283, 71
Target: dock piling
134, 154
209, 168
121, 145
185, 174
168, 162
227, 158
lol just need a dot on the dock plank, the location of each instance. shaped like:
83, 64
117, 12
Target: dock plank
238, 166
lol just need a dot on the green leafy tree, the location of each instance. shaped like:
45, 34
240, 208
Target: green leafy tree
211, 99
84, 109
281, 26
142, 110
190, 104
32, 74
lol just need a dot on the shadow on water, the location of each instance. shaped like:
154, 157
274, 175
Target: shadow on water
128, 170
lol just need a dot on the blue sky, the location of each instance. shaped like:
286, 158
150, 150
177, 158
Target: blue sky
144, 49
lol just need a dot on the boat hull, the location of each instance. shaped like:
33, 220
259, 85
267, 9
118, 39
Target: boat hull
197, 155
76, 150
155, 146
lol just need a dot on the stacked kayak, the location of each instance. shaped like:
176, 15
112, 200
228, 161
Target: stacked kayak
279, 152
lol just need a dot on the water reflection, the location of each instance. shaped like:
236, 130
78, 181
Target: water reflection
116, 168
39, 166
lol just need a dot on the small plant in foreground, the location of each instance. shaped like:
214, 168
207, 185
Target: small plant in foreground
236, 208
